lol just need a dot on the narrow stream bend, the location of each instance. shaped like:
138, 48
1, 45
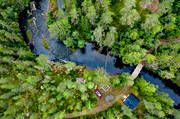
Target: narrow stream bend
87, 56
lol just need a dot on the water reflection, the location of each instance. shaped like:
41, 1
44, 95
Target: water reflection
86, 56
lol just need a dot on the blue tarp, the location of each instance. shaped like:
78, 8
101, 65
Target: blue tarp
131, 101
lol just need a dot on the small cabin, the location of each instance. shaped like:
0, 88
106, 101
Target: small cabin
131, 101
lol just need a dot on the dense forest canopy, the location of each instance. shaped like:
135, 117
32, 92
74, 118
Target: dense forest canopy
129, 28
36, 88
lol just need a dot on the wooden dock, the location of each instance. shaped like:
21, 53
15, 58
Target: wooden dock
137, 70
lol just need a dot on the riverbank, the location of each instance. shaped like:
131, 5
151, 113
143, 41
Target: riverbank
35, 87
87, 56
103, 105
129, 45
51, 14
143, 62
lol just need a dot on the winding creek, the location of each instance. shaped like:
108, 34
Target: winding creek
87, 56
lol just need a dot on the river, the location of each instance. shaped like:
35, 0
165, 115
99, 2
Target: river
87, 56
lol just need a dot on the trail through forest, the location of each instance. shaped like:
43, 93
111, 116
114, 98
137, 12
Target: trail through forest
103, 104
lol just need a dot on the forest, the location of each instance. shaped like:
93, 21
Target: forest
33, 87
128, 32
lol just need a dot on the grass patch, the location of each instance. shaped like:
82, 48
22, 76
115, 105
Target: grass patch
28, 32
44, 43
30, 21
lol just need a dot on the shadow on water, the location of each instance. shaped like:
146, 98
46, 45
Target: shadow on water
88, 56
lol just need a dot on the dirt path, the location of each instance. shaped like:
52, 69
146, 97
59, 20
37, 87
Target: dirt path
163, 42
104, 105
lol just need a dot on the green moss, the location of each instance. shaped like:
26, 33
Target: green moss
30, 21
29, 13
44, 43
28, 32
31, 4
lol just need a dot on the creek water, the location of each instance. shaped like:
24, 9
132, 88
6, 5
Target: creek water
87, 56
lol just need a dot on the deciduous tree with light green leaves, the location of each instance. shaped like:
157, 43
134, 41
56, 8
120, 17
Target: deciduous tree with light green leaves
110, 37
98, 34
145, 88
85, 4
106, 17
37, 88
104, 3
165, 6
166, 74
74, 15
150, 58
62, 28
126, 79
151, 21
129, 17
128, 4
91, 14
132, 54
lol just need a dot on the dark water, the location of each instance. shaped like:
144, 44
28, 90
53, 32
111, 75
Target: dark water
87, 56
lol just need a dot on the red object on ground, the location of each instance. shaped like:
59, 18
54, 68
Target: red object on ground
97, 92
